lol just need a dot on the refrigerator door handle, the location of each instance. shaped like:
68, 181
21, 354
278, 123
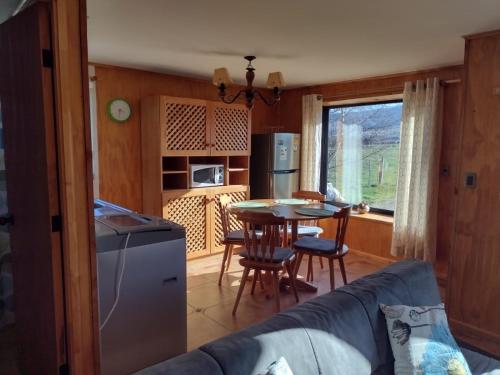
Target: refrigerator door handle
288, 171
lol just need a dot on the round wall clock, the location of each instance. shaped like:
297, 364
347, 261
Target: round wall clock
119, 110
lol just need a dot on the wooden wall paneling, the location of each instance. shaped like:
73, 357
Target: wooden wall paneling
368, 233
69, 23
373, 237
151, 176
449, 168
119, 144
291, 101
473, 280
120, 164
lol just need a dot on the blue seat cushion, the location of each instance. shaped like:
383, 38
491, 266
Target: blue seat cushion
307, 230
322, 245
280, 254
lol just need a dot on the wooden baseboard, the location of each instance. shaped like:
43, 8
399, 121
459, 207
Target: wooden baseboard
484, 340
373, 256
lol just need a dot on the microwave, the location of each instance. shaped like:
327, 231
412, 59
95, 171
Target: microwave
201, 175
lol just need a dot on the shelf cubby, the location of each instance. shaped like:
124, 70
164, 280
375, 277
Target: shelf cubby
174, 180
208, 160
238, 177
175, 164
238, 162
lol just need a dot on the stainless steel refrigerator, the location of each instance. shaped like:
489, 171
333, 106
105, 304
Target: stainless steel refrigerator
274, 165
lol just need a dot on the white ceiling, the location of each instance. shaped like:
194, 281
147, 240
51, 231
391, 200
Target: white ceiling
310, 41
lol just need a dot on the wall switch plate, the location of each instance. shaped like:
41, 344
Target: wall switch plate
470, 180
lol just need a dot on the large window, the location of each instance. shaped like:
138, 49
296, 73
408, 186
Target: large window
361, 152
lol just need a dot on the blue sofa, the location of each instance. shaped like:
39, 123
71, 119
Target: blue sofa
342, 332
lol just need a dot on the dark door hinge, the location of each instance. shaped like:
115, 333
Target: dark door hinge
47, 58
56, 223
64, 369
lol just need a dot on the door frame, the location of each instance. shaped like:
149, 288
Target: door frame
72, 114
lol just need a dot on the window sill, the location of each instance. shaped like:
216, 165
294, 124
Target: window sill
386, 219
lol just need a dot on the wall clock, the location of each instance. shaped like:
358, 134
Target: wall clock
119, 110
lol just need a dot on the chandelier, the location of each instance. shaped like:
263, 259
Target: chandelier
222, 80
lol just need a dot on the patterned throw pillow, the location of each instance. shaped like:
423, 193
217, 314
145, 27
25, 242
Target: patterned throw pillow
279, 367
422, 342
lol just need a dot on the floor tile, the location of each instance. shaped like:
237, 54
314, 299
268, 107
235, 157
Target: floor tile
203, 329
210, 305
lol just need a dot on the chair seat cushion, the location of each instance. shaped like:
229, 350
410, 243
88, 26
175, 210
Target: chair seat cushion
320, 245
280, 254
238, 235
306, 230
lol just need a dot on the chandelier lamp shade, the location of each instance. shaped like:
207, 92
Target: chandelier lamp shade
222, 80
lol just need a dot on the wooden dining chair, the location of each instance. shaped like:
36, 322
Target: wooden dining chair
310, 227
264, 254
231, 238
326, 248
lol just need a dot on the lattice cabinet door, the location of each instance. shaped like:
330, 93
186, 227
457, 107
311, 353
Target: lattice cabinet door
185, 130
237, 194
191, 209
230, 129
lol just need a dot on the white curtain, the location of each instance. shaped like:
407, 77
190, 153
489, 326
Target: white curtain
415, 215
312, 112
350, 144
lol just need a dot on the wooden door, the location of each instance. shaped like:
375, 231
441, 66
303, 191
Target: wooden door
230, 129
473, 289
27, 102
191, 209
184, 127
237, 194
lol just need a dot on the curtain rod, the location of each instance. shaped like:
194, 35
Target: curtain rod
443, 82
377, 92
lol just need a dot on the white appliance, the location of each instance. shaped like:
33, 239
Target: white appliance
202, 175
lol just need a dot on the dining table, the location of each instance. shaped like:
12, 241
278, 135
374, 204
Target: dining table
287, 208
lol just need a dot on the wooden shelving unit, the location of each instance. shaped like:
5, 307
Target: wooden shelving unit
178, 132
175, 169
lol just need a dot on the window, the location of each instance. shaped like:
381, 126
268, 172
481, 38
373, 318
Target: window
360, 153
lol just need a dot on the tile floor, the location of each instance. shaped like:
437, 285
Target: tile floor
210, 305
